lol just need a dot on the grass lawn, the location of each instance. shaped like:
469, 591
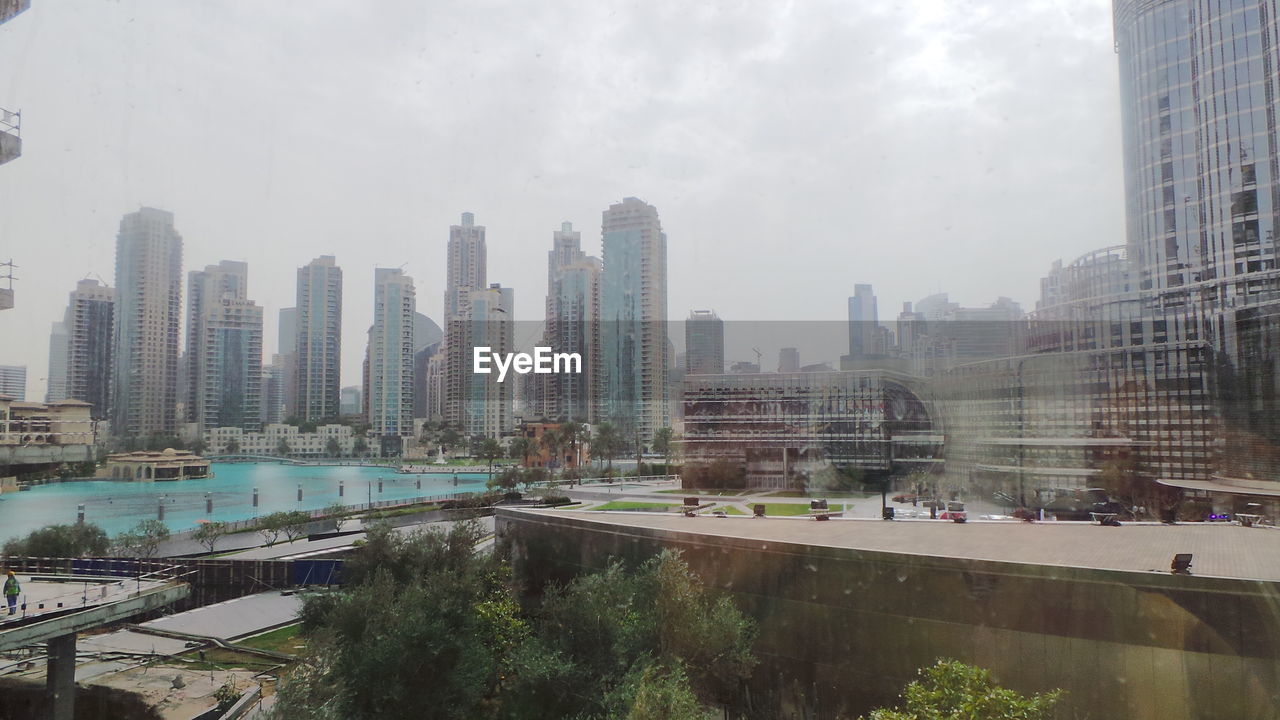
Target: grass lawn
728, 510
795, 508
574, 506
216, 658
691, 493
284, 640
628, 505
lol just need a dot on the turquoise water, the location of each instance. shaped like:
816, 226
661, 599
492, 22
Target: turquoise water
117, 505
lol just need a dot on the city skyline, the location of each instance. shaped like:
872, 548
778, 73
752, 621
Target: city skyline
276, 227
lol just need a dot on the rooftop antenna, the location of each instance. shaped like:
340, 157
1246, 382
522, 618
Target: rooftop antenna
7, 268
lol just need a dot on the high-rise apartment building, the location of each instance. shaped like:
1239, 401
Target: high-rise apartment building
286, 358
317, 373
633, 314
228, 380
390, 354
87, 346
863, 323
57, 377
228, 279
491, 324
788, 360
273, 387
466, 273
147, 316
13, 381
703, 343
573, 305
633, 320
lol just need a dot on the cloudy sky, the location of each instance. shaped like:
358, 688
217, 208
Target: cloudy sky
791, 148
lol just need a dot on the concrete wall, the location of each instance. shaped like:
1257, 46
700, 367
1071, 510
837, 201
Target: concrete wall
842, 630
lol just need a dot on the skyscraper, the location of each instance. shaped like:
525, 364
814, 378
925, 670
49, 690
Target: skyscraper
205, 288
633, 314
147, 316
703, 343
228, 380
88, 321
489, 403
467, 259
573, 305
57, 378
286, 358
319, 344
390, 354
13, 381
1200, 92
863, 321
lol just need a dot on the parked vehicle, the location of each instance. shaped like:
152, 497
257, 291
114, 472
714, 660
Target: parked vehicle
955, 511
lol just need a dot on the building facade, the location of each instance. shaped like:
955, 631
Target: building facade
1200, 91
13, 382
57, 376
789, 428
633, 391
704, 343
147, 315
228, 279
573, 306
318, 368
390, 354
89, 361
467, 258
228, 379
489, 404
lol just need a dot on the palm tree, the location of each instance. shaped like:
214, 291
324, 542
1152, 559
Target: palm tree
332, 447
572, 434
553, 440
490, 449
520, 448
606, 443
662, 438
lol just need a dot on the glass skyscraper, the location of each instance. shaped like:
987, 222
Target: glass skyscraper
633, 314
1199, 83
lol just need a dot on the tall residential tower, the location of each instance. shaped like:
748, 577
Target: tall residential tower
147, 316
317, 373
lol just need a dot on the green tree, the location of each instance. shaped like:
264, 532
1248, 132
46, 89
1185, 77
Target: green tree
553, 440
294, 524
360, 446
337, 512
232, 447
489, 449
144, 539
208, 534
606, 443
951, 690
282, 448
520, 448
596, 638
423, 630
270, 526
663, 443
78, 540
333, 448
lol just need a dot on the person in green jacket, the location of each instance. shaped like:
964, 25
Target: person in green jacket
11, 591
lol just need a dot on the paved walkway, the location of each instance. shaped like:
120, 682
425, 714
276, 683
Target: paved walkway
1219, 550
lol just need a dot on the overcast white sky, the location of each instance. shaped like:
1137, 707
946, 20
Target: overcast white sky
791, 148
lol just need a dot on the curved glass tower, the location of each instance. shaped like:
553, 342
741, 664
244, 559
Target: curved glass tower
1198, 83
